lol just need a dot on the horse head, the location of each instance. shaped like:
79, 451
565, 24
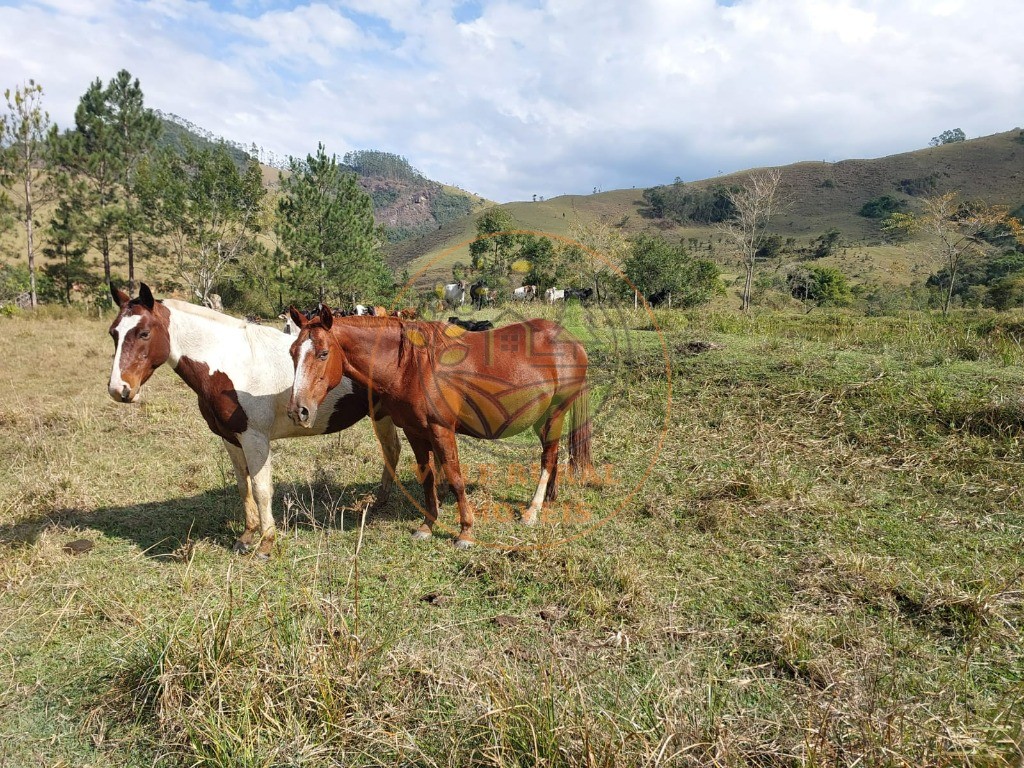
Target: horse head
319, 364
141, 342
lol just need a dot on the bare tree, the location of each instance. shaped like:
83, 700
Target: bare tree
958, 227
22, 143
754, 204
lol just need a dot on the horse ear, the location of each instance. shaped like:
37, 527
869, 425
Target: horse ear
297, 317
326, 316
120, 297
146, 296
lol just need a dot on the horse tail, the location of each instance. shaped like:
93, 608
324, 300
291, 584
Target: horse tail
579, 434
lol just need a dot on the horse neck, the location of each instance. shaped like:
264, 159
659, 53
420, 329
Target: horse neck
199, 337
366, 346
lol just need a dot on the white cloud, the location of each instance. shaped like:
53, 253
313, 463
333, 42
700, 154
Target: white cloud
547, 96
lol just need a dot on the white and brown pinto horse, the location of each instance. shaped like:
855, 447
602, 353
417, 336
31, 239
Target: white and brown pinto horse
436, 380
242, 374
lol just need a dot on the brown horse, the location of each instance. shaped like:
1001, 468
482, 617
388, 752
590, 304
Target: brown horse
436, 380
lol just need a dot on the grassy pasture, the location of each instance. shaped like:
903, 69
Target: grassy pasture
822, 566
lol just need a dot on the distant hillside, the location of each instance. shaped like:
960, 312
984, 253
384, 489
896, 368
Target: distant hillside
824, 196
177, 131
405, 202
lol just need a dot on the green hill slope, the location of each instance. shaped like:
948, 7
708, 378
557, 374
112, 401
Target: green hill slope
823, 196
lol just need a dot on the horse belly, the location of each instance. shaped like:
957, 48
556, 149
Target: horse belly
492, 416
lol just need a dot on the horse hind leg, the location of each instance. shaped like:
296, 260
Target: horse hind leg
390, 446
549, 430
425, 474
446, 449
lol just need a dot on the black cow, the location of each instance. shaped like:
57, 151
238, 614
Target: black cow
658, 298
479, 294
582, 295
471, 325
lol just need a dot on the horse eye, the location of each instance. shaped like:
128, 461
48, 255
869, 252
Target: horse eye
144, 335
322, 355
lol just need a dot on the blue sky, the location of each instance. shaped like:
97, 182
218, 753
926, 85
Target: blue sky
515, 98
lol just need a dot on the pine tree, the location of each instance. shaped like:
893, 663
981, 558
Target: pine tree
326, 226
99, 159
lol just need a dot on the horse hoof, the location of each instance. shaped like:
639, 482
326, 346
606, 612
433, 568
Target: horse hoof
240, 548
463, 543
421, 535
530, 520
261, 557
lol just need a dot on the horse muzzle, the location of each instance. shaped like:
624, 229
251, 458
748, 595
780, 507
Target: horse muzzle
301, 416
122, 392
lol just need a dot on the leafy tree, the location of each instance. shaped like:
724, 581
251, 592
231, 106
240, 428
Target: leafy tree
595, 264
544, 263
899, 227
494, 250
880, 207
326, 226
677, 201
204, 211
653, 264
958, 230
820, 286
1007, 292
825, 245
23, 130
948, 137
769, 247
754, 205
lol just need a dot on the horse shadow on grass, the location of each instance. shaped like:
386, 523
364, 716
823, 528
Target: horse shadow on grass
162, 528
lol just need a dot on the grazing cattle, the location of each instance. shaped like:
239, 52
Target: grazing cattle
242, 374
472, 325
525, 293
436, 381
658, 298
582, 295
480, 294
409, 313
455, 294
551, 295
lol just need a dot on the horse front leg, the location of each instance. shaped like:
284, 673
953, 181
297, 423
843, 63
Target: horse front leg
425, 474
390, 446
446, 448
252, 514
257, 458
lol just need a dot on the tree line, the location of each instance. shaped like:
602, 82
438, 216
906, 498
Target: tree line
113, 191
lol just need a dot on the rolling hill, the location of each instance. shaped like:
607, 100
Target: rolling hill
822, 196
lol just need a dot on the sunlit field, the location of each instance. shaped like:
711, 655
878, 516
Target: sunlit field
802, 545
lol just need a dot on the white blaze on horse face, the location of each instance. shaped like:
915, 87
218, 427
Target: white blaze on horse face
117, 385
305, 350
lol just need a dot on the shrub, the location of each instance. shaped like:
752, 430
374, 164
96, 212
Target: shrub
880, 207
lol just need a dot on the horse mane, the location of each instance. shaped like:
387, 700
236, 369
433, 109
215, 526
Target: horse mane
265, 333
205, 312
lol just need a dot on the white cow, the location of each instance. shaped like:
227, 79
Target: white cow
525, 293
455, 294
551, 295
